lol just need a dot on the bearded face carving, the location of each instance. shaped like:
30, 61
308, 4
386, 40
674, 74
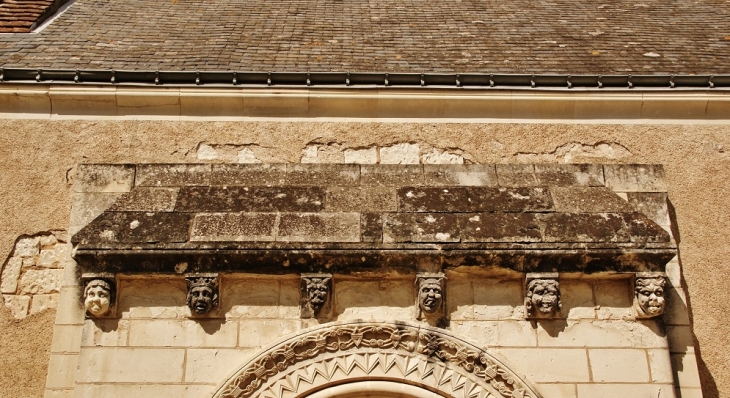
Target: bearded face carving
202, 293
316, 290
649, 296
98, 297
543, 298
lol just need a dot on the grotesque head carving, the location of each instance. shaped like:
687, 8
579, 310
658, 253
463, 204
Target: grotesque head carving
98, 297
431, 294
317, 290
543, 298
202, 294
649, 296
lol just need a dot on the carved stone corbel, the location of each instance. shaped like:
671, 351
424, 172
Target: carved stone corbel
315, 294
431, 297
649, 301
99, 294
542, 295
202, 297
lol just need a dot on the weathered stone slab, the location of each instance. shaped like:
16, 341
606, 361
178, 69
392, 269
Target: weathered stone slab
18, 305
635, 177
10, 275
588, 200
643, 230
254, 227
173, 175
499, 227
569, 174
460, 175
319, 227
403, 153
213, 199
651, 204
248, 174
41, 281
371, 227
104, 178
586, 227
426, 227
88, 206
367, 199
135, 227
473, 199
43, 301
516, 175
390, 175
323, 174
27, 247
54, 256
146, 199
287, 199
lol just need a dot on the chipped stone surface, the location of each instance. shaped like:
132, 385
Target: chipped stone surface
10, 275
54, 257
403, 153
27, 247
436, 156
42, 302
361, 156
41, 281
18, 305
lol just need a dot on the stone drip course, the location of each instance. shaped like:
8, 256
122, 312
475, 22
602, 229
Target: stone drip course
284, 218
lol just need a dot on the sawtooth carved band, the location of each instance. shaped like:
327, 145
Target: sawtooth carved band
412, 354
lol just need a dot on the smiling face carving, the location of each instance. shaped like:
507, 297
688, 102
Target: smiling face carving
98, 297
543, 298
649, 296
430, 295
202, 294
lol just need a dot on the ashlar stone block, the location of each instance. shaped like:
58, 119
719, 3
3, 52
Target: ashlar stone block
10, 275
619, 365
27, 247
41, 281
635, 177
104, 178
131, 365
234, 227
42, 302
18, 305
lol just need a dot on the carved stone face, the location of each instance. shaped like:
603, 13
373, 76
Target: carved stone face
317, 292
201, 299
543, 298
430, 296
97, 298
650, 296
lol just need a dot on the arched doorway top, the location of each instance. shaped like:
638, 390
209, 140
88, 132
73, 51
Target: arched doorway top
339, 353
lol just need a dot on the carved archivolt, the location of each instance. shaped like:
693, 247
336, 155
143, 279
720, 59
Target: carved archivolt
340, 353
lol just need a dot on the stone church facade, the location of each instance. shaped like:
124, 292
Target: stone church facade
340, 199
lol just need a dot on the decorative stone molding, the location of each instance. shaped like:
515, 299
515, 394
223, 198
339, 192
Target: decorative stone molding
649, 301
335, 354
431, 296
542, 298
315, 293
99, 294
202, 293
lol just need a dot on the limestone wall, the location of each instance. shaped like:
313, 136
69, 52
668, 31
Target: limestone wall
40, 160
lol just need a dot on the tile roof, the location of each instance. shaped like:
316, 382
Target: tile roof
520, 36
21, 16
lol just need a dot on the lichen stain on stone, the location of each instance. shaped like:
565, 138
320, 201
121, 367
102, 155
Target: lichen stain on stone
576, 152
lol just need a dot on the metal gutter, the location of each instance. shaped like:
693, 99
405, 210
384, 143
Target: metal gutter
330, 79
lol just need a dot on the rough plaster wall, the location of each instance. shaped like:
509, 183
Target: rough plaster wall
39, 157
24, 351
